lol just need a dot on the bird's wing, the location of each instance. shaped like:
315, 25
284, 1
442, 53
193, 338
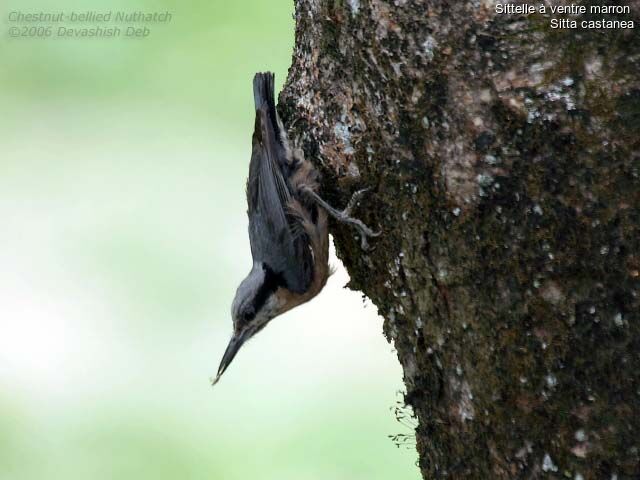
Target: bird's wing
270, 226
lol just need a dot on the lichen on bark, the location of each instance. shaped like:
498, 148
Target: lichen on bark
504, 162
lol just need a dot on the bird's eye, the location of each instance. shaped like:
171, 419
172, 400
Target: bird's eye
248, 315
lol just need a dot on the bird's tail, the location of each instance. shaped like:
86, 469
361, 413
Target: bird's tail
263, 95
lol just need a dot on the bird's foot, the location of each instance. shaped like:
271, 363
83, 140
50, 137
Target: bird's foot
344, 216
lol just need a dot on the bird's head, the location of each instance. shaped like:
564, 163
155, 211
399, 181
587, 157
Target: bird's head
254, 306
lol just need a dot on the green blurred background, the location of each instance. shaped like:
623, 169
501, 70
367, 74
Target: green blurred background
123, 238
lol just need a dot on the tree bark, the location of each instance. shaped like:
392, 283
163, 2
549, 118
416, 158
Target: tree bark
504, 161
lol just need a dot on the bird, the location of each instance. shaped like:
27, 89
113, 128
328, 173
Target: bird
288, 227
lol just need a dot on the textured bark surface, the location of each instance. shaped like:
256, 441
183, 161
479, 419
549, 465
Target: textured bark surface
504, 161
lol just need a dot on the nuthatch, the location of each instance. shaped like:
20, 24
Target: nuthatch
288, 227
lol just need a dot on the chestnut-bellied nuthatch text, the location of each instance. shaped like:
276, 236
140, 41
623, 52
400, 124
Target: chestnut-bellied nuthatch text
288, 227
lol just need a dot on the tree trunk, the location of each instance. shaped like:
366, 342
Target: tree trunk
504, 164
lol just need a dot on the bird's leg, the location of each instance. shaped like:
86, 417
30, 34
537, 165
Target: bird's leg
344, 216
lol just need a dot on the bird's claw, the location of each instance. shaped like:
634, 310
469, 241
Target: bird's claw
360, 226
344, 216
354, 200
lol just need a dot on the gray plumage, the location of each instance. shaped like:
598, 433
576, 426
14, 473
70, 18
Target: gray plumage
275, 238
288, 227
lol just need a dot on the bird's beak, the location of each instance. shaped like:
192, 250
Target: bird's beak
232, 349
